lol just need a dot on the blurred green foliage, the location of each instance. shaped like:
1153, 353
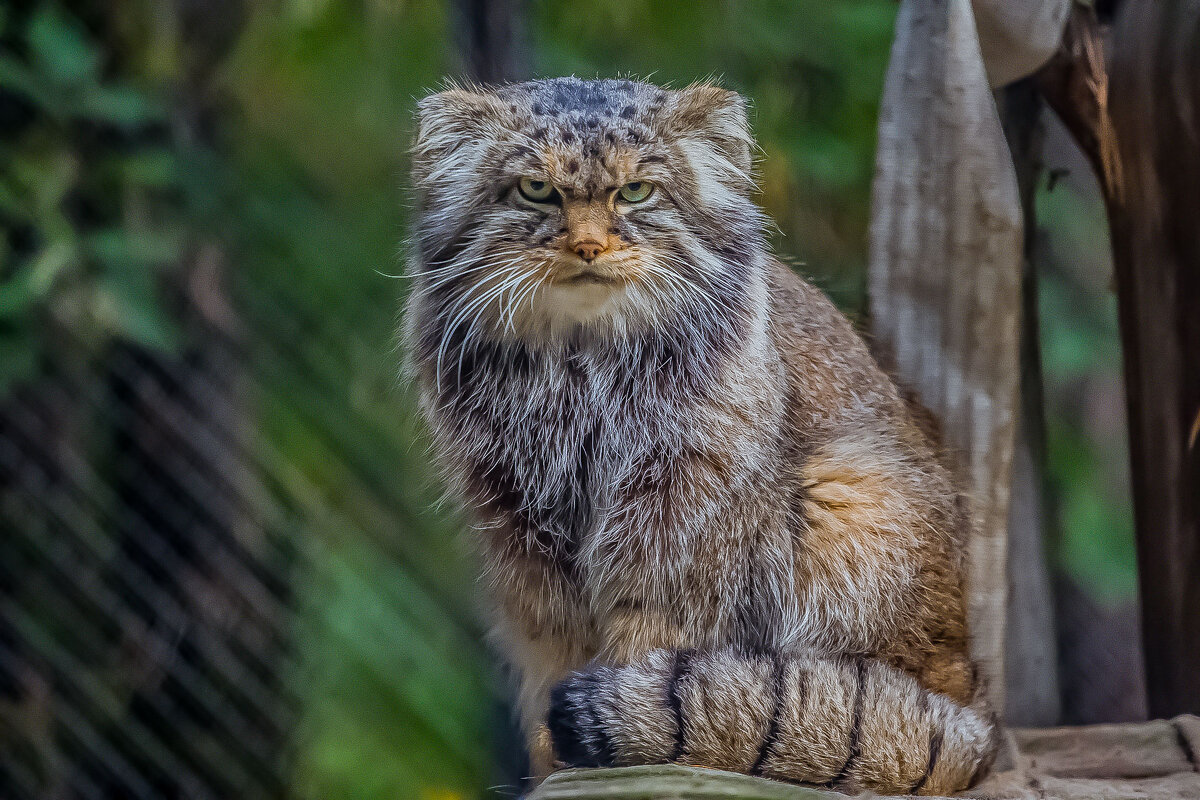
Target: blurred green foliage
90, 187
393, 679
302, 186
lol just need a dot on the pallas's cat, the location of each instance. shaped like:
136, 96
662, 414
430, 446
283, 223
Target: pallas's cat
713, 530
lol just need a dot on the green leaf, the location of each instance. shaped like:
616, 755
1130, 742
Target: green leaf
121, 250
122, 106
34, 281
18, 78
60, 47
131, 308
18, 358
157, 169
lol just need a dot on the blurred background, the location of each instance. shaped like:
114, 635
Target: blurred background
224, 570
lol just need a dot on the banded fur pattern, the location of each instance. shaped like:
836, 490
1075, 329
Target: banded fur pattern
853, 724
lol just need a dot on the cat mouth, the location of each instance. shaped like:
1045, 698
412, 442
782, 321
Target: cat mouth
588, 276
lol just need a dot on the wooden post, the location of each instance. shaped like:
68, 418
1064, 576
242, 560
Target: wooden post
944, 276
1140, 133
1155, 99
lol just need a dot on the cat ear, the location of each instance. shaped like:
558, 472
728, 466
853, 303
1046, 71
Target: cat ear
718, 117
449, 119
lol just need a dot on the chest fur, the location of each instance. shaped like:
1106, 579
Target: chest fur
545, 444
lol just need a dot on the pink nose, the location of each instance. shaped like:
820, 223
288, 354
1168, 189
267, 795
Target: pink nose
589, 250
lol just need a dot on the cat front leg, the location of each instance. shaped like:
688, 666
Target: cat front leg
682, 565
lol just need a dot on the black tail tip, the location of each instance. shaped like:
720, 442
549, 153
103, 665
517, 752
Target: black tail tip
579, 736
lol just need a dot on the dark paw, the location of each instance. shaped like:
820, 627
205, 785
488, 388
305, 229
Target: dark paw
579, 733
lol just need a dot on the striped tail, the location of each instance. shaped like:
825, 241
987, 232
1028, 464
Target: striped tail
853, 724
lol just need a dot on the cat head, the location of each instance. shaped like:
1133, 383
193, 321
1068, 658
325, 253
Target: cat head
552, 206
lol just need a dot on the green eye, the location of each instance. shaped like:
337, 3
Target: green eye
536, 191
635, 191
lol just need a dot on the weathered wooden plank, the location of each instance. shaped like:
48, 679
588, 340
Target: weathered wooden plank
694, 783
1031, 692
1139, 130
1148, 749
1155, 101
944, 276
1106, 762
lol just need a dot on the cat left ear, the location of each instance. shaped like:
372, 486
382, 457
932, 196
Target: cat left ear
718, 115
447, 120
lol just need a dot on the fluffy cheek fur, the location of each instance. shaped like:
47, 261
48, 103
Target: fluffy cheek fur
510, 292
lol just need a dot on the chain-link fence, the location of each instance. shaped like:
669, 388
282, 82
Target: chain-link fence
224, 572
173, 546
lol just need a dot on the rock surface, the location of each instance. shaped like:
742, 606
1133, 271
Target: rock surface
1096, 762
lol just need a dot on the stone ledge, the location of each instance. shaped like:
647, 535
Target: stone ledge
1188, 726
1141, 750
670, 782
1135, 761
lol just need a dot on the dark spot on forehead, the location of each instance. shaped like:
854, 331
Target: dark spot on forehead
573, 166
602, 98
538, 133
568, 135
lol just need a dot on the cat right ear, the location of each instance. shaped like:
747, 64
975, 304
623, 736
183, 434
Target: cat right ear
719, 117
449, 119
